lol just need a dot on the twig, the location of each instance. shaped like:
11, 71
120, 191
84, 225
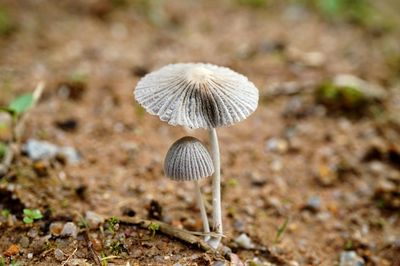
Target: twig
169, 230
90, 246
69, 257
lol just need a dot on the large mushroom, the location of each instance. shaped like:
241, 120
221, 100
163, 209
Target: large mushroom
188, 160
198, 95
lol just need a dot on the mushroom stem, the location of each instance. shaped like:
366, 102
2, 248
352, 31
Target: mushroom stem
203, 213
216, 190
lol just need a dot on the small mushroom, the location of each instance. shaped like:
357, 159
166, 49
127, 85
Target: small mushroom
198, 95
189, 160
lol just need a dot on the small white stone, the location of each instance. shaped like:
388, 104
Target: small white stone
350, 258
244, 241
94, 220
70, 229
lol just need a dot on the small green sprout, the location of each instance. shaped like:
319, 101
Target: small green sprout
112, 224
117, 247
2, 262
21, 104
153, 228
281, 230
31, 215
83, 223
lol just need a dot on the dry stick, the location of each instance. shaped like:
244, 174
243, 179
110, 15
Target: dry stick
69, 257
169, 230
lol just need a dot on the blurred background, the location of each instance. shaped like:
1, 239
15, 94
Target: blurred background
320, 156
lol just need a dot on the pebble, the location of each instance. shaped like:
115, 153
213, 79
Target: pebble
24, 242
43, 150
70, 229
350, 258
32, 233
219, 263
12, 250
313, 203
30, 256
257, 179
56, 228
277, 145
238, 225
59, 254
97, 244
70, 153
276, 165
293, 263
93, 219
244, 241
39, 150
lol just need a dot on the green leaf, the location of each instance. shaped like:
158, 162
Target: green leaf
36, 214
28, 220
153, 227
21, 103
27, 212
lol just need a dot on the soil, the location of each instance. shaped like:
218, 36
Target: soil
332, 175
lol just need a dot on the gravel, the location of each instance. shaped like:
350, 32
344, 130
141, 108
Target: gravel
350, 258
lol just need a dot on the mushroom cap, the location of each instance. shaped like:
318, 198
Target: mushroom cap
197, 95
188, 160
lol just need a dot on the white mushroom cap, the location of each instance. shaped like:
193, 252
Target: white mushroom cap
197, 95
188, 160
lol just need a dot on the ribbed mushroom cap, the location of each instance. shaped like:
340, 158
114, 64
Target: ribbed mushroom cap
197, 95
188, 160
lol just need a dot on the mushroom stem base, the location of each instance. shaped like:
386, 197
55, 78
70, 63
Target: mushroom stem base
216, 190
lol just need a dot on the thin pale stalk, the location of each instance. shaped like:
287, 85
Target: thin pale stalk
216, 190
203, 213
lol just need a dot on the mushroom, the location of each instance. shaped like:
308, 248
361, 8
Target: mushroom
188, 160
198, 95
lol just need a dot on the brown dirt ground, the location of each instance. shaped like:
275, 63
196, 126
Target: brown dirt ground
123, 148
